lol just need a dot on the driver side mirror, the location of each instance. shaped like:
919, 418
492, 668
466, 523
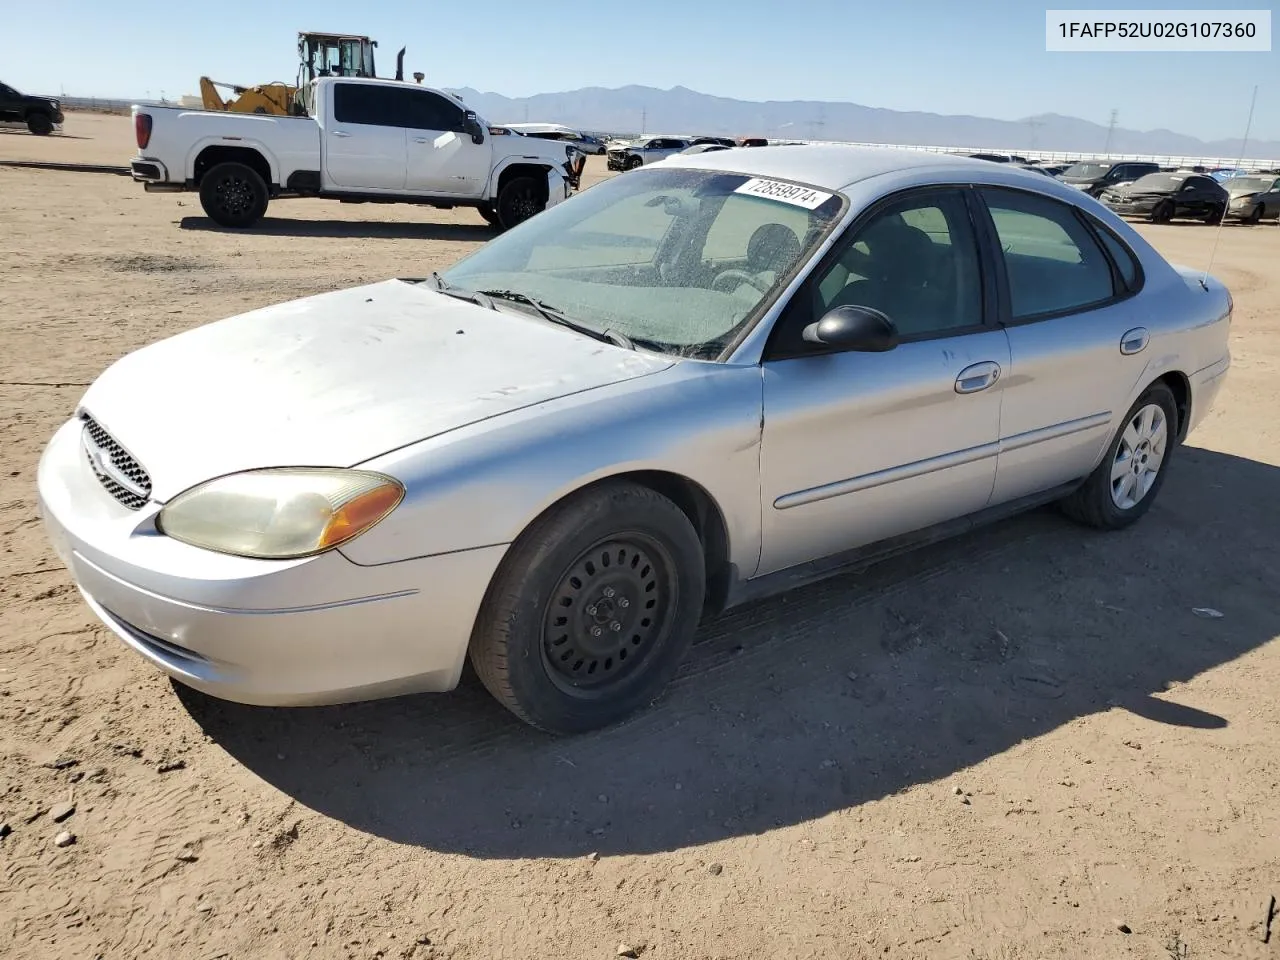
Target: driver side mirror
471, 124
861, 329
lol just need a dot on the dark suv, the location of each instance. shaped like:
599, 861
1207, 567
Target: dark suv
1094, 176
40, 114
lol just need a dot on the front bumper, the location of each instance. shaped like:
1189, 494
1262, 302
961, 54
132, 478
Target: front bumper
270, 632
1130, 208
616, 161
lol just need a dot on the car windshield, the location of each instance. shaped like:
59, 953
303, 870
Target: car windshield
678, 261
1158, 182
1249, 184
1083, 170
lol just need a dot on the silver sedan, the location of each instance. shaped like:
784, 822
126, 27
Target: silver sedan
715, 378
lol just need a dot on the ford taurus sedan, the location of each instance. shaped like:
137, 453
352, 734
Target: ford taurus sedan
684, 388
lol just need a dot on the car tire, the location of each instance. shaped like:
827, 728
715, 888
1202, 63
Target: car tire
518, 200
234, 195
490, 214
633, 162
1255, 215
40, 124
1162, 213
592, 610
1124, 486
1215, 216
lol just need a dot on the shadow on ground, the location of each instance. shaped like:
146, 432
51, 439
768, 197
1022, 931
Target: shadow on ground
823, 699
354, 229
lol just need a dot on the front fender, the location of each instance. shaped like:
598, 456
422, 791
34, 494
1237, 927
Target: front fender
485, 483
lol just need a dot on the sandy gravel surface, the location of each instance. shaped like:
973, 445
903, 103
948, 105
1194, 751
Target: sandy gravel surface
795, 795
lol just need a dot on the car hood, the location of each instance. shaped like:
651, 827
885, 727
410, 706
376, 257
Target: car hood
336, 379
1240, 191
1127, 190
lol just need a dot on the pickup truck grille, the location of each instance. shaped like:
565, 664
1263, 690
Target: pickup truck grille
113, 465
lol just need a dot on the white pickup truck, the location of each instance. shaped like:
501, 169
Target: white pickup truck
362, 141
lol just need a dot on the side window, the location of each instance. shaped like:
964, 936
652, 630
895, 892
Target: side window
364, 103
430, 111
1121, 255
916, 261
1053, 263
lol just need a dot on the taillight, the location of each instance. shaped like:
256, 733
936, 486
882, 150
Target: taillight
142, 129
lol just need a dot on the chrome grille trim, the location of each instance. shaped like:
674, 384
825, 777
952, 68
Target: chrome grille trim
114, 466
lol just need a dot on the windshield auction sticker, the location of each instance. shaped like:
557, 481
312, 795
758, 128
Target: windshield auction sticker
791, 193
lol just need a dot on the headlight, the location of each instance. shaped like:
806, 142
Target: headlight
280, 513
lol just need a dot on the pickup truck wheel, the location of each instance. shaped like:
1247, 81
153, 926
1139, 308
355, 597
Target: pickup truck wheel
41, 124
592, 609
233, 195
519, 200
490, 214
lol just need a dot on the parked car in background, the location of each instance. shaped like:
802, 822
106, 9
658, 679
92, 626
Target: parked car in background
1253, 197
587, 143
40, 115
1094, 176
713, 141
649, 149
998, 157
705, 148
680, 391
1053, 169
1034, 168
364, 141
752, 142
1161, 197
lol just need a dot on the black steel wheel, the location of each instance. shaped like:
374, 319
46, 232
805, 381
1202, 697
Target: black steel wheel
606, 611
518, 200
233, 195
1163, 212
592, 609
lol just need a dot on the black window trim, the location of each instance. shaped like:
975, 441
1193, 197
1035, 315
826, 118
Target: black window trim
1140, 275
996, 250
803, 294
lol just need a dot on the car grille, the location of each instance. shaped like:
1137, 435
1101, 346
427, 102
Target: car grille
114, 466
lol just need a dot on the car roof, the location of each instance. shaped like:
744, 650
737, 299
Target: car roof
830, 166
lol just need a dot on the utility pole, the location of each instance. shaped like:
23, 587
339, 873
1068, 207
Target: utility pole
1111, 129
644, 119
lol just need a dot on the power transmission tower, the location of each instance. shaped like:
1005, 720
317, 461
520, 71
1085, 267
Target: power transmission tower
644, 118
1111, 129
1034, 125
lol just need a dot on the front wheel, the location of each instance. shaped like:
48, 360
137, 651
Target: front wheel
234, 195
1163, 212
520, 199
592, 610
1255, 215
1126, 483
490, 214
633, 163
41, 124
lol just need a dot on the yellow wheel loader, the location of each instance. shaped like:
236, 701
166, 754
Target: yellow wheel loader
319, 55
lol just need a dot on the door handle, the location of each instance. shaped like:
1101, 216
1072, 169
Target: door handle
421, 140
341, 133
977, 377
1134, 341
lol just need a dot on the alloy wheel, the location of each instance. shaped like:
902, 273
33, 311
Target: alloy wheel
1139, 456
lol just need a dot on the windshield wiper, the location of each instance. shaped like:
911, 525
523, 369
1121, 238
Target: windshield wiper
556, 316
449, 290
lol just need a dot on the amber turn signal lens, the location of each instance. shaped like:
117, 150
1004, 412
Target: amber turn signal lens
356, 516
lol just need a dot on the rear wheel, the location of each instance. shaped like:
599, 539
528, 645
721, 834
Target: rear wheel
1214, 216
592, 610
518, 200
1126, 483
41, 124
234, 195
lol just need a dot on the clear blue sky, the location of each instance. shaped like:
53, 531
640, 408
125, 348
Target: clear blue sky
940, 56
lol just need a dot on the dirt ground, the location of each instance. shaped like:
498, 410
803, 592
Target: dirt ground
1018, 745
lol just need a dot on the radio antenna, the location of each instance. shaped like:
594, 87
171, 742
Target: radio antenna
1244, 142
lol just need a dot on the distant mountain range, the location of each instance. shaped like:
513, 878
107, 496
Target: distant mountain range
681, 110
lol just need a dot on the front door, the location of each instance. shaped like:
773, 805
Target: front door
441, 155
364, 139
1077, 345
860, 447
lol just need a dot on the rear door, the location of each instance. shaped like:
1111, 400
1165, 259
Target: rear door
1077, 344
441, 155
364, 138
